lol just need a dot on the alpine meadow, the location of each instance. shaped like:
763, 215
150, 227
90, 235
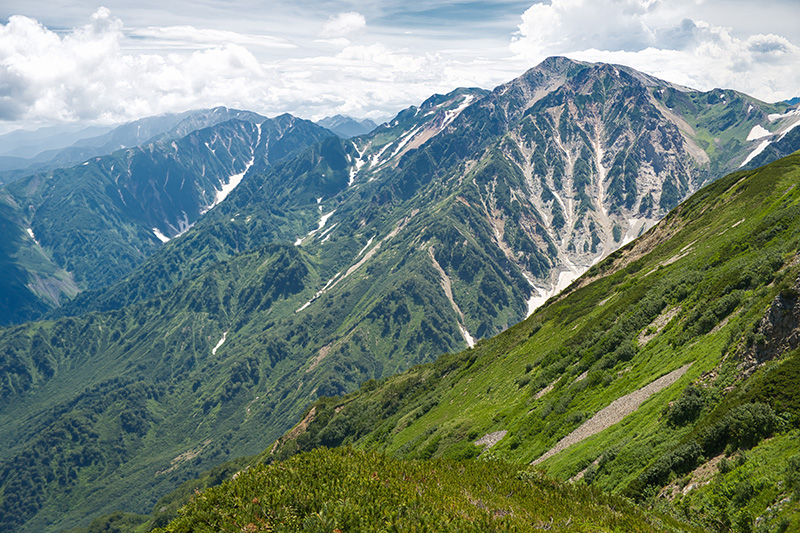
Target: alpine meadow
569, 303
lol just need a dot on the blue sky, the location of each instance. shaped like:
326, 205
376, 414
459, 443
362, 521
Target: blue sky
118, 61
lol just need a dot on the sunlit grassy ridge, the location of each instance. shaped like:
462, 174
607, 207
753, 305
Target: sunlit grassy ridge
349, 490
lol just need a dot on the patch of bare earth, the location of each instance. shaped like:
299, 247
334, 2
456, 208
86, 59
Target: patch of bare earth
661, 321
614, 412
185, 456
700, 476
490, 439
296, 431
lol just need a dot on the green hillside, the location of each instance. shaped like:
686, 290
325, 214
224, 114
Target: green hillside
707, 301
347, 490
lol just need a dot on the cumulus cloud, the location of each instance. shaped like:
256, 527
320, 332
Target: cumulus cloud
92, 73
85, 75
657, 37
343, 25
190, 37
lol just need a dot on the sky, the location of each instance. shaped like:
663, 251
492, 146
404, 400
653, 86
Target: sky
73, 62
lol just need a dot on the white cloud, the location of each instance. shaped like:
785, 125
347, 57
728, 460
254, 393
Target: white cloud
91, 74
106, 71
344, 24
657, 37
189, 37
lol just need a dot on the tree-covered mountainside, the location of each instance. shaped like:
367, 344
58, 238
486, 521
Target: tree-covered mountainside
86, 226
668, 373
348, 261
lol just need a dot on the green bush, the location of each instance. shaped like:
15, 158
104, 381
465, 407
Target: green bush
686, 408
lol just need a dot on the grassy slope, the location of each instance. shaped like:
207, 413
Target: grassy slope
347, 490
721, 258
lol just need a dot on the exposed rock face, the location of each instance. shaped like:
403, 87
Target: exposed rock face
778, 332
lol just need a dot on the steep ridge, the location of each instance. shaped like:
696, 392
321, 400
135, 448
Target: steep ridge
697, 319
332, 267
88, 225
132, 134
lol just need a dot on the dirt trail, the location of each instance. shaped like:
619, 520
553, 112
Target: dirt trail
615, 412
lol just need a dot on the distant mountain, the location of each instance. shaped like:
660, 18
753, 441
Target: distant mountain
85, 226
793, 101
346, 127
142, 131
348, 260
29, 143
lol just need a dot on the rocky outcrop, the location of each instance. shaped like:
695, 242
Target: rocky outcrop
778, 331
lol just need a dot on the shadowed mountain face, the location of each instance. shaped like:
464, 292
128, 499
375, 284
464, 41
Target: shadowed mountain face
347, 127
325, 267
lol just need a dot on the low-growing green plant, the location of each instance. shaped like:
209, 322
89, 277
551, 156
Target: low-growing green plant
347, 490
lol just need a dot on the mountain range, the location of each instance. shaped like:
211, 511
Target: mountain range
314, 263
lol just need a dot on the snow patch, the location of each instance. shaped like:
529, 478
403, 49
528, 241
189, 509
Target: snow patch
777, 116
160, 236
450, 116
30, 232
758, 132
354, 170
233, 182
236, 179
565, 278
364, 249
214, 350
761, 147
322, 223
467, 336
635, 226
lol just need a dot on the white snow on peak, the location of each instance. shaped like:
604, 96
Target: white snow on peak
758, 132
450, 116
30, 232
760, 148
161, 237
214, 350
